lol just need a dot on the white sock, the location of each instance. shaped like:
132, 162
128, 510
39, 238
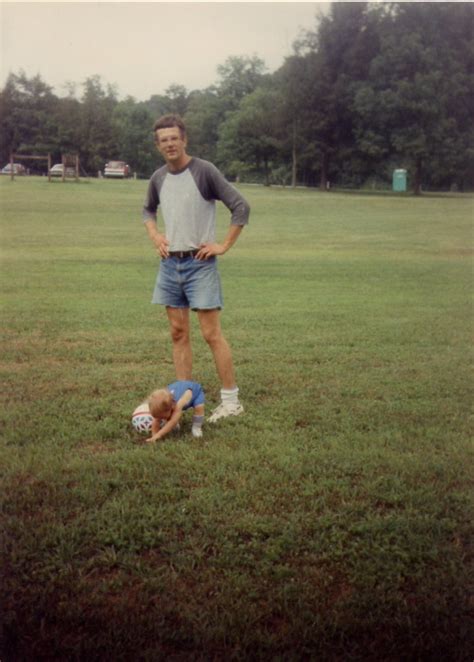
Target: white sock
197, 422
230, 396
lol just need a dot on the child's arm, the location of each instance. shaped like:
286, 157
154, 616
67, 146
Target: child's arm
174, 420
155, 425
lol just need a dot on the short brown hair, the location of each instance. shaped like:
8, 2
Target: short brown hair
159, 401
168, 122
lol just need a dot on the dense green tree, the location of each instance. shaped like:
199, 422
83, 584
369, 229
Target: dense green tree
249, 135
99, 135
238, 76
28, 118
158, 105
10, 136
416, 105
68, 117
304, 117
133, 123
174, 100
338, 55
372, 87
203, 118
297, 105
177, 99
208, 109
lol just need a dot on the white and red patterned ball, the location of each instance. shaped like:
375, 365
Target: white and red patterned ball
142, 419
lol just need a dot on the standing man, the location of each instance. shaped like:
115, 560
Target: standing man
186, 189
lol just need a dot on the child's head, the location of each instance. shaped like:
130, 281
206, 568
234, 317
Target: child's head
161, 403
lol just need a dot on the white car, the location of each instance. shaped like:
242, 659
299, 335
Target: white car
18, 169
117, 169
57, 171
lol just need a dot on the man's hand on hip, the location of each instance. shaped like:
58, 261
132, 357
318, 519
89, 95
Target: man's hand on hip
162, 245
210, 250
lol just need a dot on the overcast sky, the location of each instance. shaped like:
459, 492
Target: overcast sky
143, 47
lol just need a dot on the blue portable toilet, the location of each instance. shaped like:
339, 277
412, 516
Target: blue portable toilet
399, 180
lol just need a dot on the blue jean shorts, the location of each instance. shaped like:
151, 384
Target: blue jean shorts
188, 283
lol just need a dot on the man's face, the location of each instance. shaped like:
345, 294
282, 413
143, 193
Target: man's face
170, 144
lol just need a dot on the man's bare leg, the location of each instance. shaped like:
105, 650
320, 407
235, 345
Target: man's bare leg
180, 335
209, 321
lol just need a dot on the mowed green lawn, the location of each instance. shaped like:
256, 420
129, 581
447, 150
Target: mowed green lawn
333, 521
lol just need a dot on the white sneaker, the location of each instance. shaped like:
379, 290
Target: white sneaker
197, 432
224, 410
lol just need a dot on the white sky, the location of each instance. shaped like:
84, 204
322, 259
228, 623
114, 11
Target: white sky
143, 47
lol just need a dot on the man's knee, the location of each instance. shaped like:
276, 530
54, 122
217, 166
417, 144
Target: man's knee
179, 329
179, 334
211, 328
212, 335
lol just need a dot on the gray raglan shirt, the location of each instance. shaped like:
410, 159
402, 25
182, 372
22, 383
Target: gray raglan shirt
187, 200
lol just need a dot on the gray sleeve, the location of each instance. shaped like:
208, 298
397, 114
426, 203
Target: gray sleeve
152, 199
214, 186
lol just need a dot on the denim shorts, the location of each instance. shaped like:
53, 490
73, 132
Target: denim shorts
188, 283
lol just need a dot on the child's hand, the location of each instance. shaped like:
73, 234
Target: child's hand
152, 439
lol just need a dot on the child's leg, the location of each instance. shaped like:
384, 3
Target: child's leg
198, 419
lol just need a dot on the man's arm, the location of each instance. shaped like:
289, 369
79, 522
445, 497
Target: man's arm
150, 207
209, 250
229, 195
215, 185
174, 420
158, 239
167, 427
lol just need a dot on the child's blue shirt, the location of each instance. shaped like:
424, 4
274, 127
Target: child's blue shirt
179, 388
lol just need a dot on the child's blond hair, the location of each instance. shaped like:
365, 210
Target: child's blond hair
159, 401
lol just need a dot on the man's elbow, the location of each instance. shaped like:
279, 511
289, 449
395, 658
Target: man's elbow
242, 213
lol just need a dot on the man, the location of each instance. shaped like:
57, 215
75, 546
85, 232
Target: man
186, 189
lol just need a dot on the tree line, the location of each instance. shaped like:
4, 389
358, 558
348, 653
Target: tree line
372, 87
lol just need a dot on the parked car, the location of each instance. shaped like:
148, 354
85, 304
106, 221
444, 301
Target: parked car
117, 169
18, 169
57, 171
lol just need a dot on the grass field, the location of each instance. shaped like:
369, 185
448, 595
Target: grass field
333, 521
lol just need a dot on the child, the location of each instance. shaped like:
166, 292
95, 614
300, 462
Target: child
167, 405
